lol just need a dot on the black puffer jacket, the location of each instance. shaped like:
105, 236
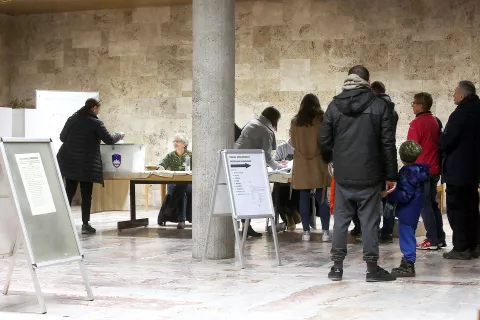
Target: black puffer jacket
79, 157
358, 136
460, 144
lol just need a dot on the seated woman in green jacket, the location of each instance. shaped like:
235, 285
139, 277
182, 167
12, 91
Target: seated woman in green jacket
179, 160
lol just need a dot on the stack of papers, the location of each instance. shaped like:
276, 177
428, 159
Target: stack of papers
279, 171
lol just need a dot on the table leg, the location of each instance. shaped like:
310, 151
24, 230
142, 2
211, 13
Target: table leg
163, 192
147, 189
133, 222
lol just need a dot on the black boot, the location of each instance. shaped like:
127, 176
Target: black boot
379, 275
458, 255
88, 229
406, 269
476, 253
253, 233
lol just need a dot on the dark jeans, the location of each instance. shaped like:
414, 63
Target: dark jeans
188, 194
322, 210
463, 215
86, 189
431, 214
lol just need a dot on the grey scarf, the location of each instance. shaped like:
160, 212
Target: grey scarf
354, 81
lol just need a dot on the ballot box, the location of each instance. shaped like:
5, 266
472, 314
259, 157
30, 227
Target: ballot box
125, 157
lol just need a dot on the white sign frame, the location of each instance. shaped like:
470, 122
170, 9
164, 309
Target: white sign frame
223, 190
22, 235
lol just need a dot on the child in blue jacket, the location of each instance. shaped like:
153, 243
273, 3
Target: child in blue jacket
408, 199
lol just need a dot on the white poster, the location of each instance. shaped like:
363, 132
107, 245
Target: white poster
251, 189
35, 182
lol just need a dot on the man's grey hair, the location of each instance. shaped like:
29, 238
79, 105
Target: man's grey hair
467, 87
182, 137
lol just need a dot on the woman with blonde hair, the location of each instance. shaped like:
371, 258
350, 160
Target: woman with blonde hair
309, 171
177, 160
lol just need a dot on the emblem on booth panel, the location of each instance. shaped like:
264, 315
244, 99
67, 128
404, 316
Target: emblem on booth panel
117, 160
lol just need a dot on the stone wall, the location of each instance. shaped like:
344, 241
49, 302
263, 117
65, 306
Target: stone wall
5, 59
140, 59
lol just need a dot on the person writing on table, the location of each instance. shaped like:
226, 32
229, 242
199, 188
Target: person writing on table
260, 134
79, 156
179, 160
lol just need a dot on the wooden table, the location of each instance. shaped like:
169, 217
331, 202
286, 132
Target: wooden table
114, 194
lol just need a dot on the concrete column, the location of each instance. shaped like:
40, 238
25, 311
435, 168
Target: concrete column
213, 117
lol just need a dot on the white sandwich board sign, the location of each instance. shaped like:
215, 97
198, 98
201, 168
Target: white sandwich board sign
35, 210
242, 190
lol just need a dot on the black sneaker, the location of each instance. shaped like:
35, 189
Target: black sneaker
380, 275
253, 233
476, 253
335, 274
458, 255
88, 229
406, 269
357, 231
385, 238
442, 244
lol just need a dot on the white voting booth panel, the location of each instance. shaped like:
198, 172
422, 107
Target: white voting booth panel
242, 190
53, 108
39, 215
6, 122
125, 157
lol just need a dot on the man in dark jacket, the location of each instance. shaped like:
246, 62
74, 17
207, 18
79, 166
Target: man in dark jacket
358, 136
79, 156
460, 144
379, 90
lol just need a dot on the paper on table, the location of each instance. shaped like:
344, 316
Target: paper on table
35, 183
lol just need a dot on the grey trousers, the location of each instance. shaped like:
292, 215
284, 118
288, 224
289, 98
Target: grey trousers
366, 202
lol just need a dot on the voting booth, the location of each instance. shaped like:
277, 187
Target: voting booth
35, 210
242, 190
124, 157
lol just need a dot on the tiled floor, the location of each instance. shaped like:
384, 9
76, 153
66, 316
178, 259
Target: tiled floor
148, 273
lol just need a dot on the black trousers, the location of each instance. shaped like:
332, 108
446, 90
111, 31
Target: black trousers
463, 215
86, 189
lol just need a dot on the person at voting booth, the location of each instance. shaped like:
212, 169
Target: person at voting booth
177, 206
79, 156
260, 134
310, 173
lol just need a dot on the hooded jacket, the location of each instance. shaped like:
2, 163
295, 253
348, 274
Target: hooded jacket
409, 193
358, 136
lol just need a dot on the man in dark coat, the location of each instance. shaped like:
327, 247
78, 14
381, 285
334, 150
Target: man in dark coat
379, 90
79, 156
358, 136
460, 144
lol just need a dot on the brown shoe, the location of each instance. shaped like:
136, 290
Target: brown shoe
181, 225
